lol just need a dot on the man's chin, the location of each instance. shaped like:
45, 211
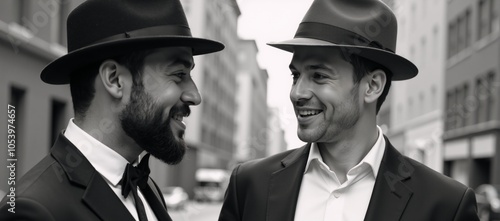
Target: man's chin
169, 159
308, 135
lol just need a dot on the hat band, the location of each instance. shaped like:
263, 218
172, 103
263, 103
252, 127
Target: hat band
335, 35
163, 30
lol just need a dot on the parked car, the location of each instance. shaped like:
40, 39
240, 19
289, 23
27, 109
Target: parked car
488, 202
175, 197
211, 185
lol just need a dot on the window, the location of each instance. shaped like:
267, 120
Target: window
462, 32
22, 11
459, 34
450, 110
452, 39
467, 28
459, 107
465, 108
484, 97
484, 18
495, 20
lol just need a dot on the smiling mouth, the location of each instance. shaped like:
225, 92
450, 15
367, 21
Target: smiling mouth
179, 116
309, 113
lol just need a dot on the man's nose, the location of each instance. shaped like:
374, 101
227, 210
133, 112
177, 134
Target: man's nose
191, 95
301, 91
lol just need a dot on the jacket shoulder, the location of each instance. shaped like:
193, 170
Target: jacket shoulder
439, 197
37, 176
267, 165
33, 192
430, 177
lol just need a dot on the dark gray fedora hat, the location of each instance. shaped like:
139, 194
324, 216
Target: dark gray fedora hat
367, 28
101, 29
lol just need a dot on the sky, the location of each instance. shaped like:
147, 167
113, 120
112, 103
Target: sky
273, 21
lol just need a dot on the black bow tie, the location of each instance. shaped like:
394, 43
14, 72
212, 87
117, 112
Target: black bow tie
134, 177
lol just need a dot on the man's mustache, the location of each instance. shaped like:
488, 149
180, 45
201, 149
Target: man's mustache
182, 109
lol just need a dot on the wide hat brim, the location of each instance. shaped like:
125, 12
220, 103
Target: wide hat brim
60, 70
401, 68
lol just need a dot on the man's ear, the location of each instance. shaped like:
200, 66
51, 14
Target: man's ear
112, 78
376, 81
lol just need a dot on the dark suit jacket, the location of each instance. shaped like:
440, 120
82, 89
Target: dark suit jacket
64, 186
268, 189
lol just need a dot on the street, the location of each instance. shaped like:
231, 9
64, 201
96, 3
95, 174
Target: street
195, 211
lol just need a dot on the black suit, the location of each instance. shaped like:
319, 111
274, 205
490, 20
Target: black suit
268, 189
64, 186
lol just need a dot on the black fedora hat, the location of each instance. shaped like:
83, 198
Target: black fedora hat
101, 29
367, 28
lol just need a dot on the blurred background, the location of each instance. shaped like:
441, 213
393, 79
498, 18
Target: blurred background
448, 117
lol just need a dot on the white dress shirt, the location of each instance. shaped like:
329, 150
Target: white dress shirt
108, 163
323, 197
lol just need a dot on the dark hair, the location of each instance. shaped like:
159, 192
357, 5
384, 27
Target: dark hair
362, 67
82, 82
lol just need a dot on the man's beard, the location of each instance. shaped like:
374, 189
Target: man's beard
142, 120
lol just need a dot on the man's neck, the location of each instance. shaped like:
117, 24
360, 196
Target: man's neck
112, 135
344, 154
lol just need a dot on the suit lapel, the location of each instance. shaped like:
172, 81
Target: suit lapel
98, 196
103, 201
156, 201
390, 194
284, 186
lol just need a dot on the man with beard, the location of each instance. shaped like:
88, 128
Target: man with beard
128, 68
342, 66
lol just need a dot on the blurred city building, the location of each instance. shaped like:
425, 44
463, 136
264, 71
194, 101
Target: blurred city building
416, 121
252, 112
276, 142
472, 112
32, 33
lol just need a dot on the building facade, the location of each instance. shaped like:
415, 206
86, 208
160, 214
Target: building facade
472, 114
32, 33
252, 112
416, 105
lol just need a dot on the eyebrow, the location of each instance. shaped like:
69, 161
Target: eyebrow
317, 66
188, 63
311, 67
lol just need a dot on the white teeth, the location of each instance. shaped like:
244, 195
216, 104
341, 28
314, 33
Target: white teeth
309, 112
178, 117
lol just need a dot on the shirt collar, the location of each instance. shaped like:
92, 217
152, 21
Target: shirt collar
105, 160
373, 158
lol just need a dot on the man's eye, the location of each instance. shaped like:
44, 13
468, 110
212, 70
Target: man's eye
180, 75
319, 76
295, 76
